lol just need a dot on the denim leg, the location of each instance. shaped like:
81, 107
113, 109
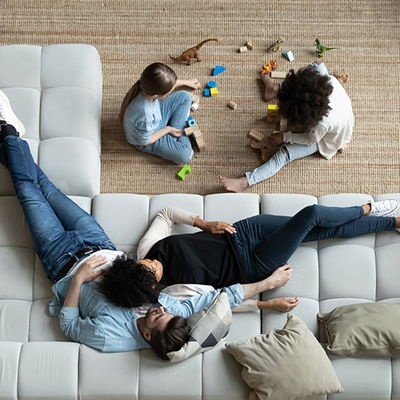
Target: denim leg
175, 109
279, 160
73, 217
51, 239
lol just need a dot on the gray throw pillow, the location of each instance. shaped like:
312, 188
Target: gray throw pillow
209, 328
363, 330
286, 364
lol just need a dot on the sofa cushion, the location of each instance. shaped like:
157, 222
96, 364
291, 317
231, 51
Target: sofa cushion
209, 328
291, 358
365, 330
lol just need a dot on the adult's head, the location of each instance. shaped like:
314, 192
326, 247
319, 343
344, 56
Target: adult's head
130, 283
304, 97
156, 80
165, 332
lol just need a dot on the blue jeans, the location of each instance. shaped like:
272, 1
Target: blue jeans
174, 111
60, 228
266, 242
281, 158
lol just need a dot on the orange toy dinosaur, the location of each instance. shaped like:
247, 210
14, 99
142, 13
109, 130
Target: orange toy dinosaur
193, 52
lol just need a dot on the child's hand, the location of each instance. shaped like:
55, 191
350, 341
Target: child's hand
284, 304
193, 83
175, 132
275, 138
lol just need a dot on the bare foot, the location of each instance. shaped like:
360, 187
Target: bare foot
271, 88
236, 185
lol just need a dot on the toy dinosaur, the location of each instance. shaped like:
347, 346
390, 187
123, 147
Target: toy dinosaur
341, 78
193, 52
322, 49
275, 46
266, 69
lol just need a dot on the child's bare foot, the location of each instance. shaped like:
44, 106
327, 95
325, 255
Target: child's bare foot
236, 185
271, 88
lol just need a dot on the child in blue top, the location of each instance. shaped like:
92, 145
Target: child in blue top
152, 122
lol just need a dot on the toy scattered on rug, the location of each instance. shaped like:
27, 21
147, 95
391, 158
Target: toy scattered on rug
232, 105
322, 49
263, 150
255, 135
211, 89
195, 102
275, 46
218, 69
249, 46
191, 121
342, 78
278, 75
193, 52
288, 54
194, 131
266, 69
185, 170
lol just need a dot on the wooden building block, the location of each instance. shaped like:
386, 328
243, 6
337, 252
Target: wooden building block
197, 133
232, 105
341, 150
194, 106
249, 45
191, 129
243, 49
200, 143
278, 75
195, 98
257, 136
283, 125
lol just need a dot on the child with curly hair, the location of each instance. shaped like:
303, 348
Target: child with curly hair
152, 120
311, 98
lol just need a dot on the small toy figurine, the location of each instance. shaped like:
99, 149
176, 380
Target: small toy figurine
275, 46
342, 78
193, 52
322, 49
266, 69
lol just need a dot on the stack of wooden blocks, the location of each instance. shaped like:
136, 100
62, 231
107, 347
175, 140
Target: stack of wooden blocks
194, 130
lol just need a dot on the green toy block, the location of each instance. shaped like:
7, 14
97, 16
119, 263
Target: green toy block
185, 170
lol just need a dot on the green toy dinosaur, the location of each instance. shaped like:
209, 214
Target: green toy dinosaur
322, 49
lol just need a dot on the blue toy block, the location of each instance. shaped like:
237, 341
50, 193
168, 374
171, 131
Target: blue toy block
211, 85
191, 122
189, 118
288, 54
218, 69
207, 92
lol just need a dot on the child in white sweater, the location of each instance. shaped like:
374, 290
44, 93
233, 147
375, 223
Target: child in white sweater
310, 97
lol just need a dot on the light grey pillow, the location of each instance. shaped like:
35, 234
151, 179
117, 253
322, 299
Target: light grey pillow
209, 328
363, 330
286, 364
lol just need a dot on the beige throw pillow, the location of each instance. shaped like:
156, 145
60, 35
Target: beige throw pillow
286, 364
363, 330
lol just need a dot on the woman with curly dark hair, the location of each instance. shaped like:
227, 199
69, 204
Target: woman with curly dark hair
310, 98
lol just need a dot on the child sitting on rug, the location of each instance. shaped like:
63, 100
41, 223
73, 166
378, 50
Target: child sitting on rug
311, 98
152, 122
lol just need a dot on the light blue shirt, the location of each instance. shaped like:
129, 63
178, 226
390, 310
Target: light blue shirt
141, 119
108, 328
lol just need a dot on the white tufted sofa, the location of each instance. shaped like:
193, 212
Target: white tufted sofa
56, 92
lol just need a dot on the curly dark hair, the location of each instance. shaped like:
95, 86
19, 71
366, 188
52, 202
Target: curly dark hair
172, 338
130, 284
304, 97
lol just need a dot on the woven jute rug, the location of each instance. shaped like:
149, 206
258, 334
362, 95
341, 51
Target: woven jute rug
131, 34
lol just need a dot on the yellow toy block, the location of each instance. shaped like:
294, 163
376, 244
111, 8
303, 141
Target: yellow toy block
272, 108
214, 92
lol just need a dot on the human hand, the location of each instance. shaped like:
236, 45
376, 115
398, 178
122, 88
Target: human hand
218, 227
284, 304
193, 83
175, 132
86, 272
281, 276
275, 138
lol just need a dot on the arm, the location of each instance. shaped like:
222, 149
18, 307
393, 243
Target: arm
162, 226
215, 227
307, 139
192, 83
85, 273
162, 132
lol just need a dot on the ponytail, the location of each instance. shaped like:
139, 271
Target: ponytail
132, 93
